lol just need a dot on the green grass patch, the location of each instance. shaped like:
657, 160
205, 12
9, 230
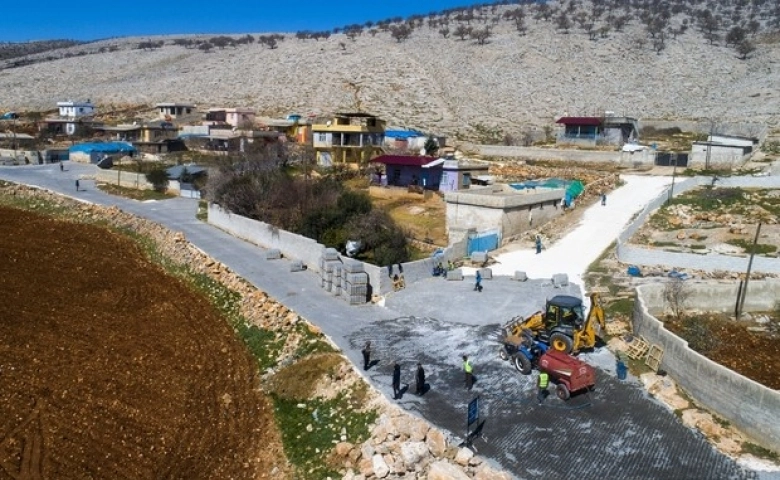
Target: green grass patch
264, 345
759, 248
602, 257
203, 211
759, 451
311, 428
664, 244
311, 343
134, 193
698, 246
623, 306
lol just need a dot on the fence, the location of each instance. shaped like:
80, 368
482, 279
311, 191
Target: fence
746, 404
310, 252
637, 255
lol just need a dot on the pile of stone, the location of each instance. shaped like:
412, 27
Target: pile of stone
402, 446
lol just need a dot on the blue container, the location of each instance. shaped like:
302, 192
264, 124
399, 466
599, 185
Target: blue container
622, 370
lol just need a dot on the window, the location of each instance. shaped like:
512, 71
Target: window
322, 137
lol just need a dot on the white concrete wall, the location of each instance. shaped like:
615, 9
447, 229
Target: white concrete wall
645, 157
309, 251
638, 255
124, 179
750, 406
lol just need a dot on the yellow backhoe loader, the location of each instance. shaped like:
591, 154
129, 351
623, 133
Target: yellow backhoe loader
562, 325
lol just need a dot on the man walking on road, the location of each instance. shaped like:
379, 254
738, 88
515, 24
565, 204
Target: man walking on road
396, 381
366, 355
603, 199
538, 244
77, 185
420, 380
469, 371
478, 282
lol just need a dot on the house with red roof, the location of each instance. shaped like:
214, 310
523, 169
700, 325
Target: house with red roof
405, 170
597, 131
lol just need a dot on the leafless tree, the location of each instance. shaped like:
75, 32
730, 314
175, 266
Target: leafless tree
676, 294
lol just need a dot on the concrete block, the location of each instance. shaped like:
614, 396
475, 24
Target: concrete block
353, 290
337, 273
479, 257
357, 278
273, 254
520, 276
358, 300
560, 280
487, 273
330, 265
353, 266
297, 266
328, 285
456, 274
330, 254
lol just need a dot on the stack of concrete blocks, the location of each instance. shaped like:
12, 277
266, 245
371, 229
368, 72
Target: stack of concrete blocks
560, 280
273, 254
328, 262
479, 257
456, 274
520, 276
355, 283
487, 274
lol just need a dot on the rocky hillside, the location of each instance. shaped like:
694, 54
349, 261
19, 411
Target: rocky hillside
506, 83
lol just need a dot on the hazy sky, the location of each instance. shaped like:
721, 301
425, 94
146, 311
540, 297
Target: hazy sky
91, 20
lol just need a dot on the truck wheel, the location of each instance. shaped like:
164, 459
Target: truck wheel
522, 364
561, 342
502, 353
562, 392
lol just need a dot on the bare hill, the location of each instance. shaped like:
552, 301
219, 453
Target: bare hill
511, 83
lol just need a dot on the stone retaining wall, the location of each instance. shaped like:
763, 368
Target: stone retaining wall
748, 405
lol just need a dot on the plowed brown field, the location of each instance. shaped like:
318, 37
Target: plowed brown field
111, 369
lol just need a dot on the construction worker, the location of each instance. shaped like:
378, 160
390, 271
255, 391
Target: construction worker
420, 380
544, 381
478, 282
366, 355
396, 381
469, 371
538, 244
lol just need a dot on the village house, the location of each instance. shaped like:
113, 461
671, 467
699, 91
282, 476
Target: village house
411, 140
348, 138
487, 216
171, 110
722, 151
406, 170
460, 174
74, 119
238, 117
597, 131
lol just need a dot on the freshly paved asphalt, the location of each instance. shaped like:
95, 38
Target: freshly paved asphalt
617, 431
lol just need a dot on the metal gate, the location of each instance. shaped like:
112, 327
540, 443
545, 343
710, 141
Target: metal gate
669, 159
483, 241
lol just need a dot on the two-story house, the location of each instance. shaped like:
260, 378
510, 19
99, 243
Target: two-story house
73, 119
170, 110
348, 138
239, 117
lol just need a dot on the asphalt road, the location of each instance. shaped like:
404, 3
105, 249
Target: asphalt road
617, 431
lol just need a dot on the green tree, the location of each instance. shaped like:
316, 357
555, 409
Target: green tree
158, 178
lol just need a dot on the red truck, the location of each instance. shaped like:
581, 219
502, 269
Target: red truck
567, 373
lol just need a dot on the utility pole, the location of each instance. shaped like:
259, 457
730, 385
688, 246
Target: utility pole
709, 145
674, 174
741, 295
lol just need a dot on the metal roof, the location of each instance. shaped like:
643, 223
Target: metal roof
107, 147
404, 160
580, 121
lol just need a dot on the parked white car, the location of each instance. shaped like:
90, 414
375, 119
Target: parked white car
634, 147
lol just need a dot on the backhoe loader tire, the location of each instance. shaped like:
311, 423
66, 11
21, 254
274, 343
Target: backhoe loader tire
562, 392
562, 343
522, 364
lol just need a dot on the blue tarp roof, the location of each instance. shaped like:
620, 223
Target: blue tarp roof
403, 134
105, 147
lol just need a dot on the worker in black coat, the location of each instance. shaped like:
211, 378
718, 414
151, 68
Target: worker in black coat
420, 380
396, 381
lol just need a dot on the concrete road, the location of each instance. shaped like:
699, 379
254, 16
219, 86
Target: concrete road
615, 432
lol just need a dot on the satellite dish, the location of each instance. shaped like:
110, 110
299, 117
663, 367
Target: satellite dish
328, 123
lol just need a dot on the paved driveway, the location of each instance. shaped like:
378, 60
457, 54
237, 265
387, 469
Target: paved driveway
616, 432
